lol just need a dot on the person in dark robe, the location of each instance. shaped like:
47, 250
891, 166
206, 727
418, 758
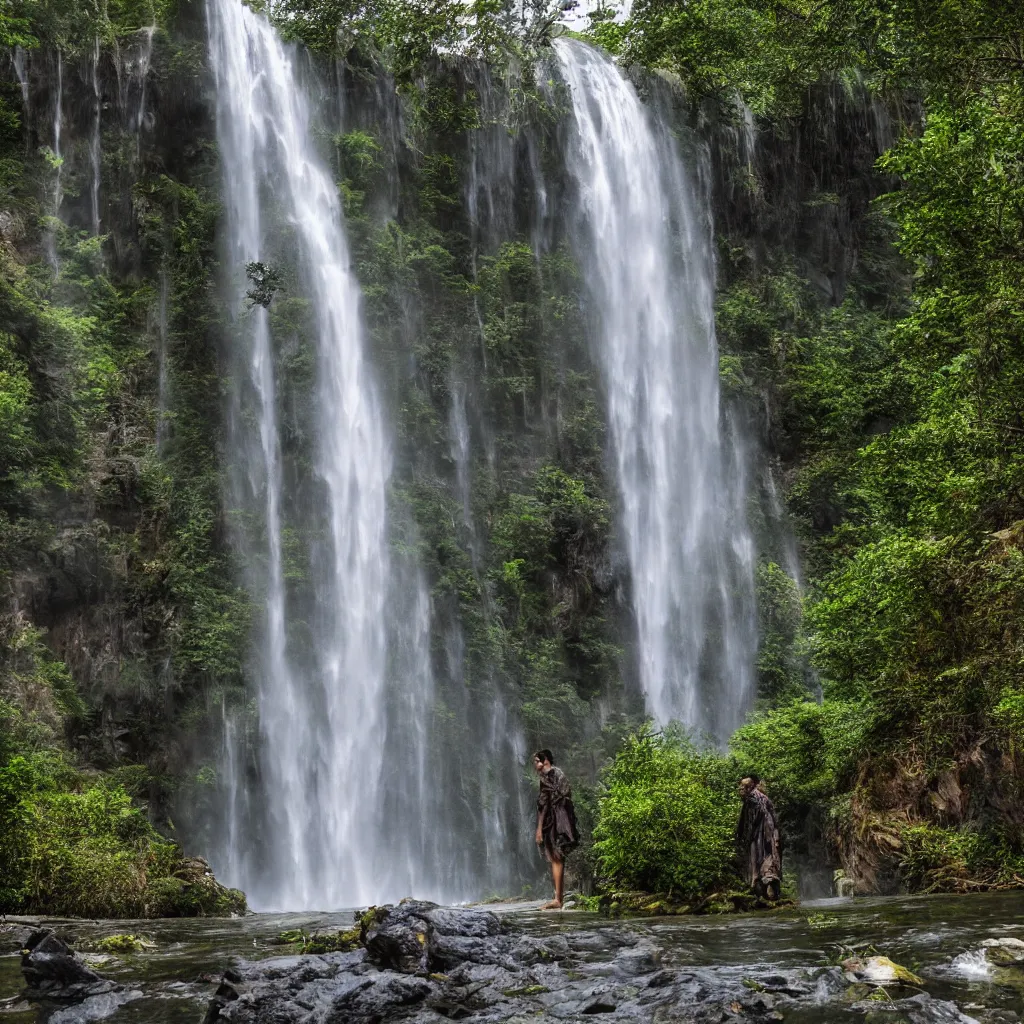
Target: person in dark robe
557, 833
757, 840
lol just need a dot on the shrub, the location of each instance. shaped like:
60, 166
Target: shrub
666, 817
804, 750
78, 847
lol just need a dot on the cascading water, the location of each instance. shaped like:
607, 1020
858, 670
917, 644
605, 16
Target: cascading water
341, 755
58, 161
163, 373
645, 248
131, 95
95, 142
18, 59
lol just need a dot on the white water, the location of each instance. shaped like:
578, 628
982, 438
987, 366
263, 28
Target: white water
643, 239
973, 964
58, 191
307, 831
163, 370
18, 58
131, 96
95, 141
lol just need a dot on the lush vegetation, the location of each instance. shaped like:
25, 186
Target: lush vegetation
870, 318
668, 817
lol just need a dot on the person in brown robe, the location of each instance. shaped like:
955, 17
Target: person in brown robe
757, 840
557, 833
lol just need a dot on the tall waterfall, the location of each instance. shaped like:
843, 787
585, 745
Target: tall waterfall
329, 804
643, 239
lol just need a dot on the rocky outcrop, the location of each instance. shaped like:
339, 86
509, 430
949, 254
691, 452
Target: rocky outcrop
422, 963
53, 970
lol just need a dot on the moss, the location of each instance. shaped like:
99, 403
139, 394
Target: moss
325, 942
192, 891
124, 943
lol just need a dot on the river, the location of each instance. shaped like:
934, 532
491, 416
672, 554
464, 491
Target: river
935, 936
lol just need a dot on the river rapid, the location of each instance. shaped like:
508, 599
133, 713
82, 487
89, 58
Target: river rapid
937, 937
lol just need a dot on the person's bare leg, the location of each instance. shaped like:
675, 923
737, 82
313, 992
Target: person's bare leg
557, 876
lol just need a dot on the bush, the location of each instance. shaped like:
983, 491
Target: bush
937, 859
666, 817
805, 751
74, 847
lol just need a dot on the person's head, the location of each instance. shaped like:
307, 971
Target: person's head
748, 784
543, 760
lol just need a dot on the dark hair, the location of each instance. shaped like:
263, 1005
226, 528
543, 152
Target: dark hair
754, 778
545, 755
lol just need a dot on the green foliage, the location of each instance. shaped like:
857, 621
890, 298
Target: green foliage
323, 942
937, 859
805, 751
76, 847
667, 817
265, 282
770, 52
780, 614
409, 36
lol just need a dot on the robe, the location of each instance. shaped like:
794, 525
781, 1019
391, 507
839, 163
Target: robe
557, 815
757, 837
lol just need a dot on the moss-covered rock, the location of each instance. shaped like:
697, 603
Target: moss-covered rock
324, 942
192, 891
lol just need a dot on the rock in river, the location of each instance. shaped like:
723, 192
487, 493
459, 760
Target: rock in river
425, 964
52, 970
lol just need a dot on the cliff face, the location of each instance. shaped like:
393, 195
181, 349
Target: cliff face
128, 612
108, 244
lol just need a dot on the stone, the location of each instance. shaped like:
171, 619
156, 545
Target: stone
94, 1008
12, 227
845, 886
375, 995
880, 970
425, 965
1004, 952
52, 970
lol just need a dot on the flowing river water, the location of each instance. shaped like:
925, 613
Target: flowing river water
936, 936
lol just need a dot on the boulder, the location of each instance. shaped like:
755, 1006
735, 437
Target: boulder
417, 937
53, 970
1004, 952
880, 970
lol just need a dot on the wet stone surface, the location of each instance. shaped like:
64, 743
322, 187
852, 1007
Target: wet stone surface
431, 964
426, 964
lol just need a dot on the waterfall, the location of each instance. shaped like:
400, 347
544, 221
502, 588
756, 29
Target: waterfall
163, 375
58, 163
337, 805
643, 239
95, 142
132, 97
18, 59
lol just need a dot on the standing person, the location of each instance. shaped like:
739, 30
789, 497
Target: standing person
757, 839
557, 833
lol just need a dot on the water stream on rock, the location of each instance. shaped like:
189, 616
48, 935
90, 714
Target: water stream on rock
58, 191
163, 396
95, 141
642, 234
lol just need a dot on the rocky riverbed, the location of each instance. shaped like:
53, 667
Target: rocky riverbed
926, 960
